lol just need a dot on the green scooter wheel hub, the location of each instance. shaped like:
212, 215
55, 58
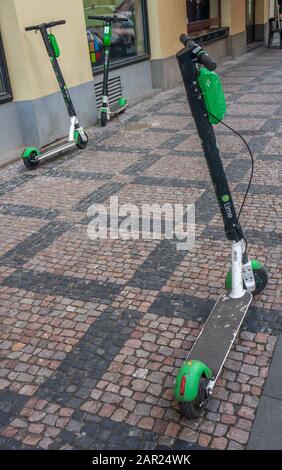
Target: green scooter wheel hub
81, 144
30, 150
188, 380
30, 159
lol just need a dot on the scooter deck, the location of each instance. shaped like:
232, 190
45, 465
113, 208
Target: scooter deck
219, 332
54, 150
116, 109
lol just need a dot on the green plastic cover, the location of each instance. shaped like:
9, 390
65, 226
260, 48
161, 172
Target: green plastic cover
54, 44
107, 36
213, 93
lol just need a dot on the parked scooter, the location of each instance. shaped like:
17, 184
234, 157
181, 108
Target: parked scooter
77, 136
197, 377
108, 110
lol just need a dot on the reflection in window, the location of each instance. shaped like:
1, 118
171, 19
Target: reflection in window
2, 87
128, 39
5, 88
199, 10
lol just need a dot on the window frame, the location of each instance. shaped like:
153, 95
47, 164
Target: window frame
8, 96
124, 62
204, 24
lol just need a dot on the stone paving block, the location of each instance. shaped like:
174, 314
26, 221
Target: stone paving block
52, 193
273, 385
267, 430
10, 239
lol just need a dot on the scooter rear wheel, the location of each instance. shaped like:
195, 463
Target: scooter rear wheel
261, 279
193, 409
31, 162
260, 275
81, 144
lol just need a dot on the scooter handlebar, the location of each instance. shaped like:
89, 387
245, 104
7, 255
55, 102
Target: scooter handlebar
208, 62
31, 28
95, 17
52, 24
122, 19
112, 19
199, 52
184, 39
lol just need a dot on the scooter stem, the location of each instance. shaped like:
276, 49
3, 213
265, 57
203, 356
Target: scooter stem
238, 290
190, 70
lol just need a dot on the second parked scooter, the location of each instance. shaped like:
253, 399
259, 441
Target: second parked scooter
108, 110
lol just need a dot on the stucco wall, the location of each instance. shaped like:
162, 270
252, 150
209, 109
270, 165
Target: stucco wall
167, 20
233, 15
262, 11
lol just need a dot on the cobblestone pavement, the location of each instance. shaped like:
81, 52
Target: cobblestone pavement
92, 332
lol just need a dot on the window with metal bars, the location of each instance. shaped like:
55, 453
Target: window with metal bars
5, 86
115, 91
203, 15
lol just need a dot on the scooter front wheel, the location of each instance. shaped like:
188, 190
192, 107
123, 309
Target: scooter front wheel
82, 144
31, 161
104, 119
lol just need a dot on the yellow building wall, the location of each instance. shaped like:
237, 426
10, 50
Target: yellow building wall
167, 20
12, 40
30, 70
233, 15
262, 11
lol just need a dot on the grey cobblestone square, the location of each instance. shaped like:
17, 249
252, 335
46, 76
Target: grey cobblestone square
92, 332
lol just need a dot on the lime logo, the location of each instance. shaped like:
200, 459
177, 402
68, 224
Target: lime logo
226, 198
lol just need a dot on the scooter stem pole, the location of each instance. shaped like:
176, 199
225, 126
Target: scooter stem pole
106, 72
58, 72
237, 281
189, 70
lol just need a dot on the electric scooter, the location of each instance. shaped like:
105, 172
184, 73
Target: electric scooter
109, 109
197, 377
77, 136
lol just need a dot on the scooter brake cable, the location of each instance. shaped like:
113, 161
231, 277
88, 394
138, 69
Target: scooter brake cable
252, 160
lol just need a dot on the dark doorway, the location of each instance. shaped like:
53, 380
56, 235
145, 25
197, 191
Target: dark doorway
250, 20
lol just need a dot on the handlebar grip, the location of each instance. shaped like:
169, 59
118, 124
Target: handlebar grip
55, 23
198, 52
112, 19
208, 62
184, 39
31, 28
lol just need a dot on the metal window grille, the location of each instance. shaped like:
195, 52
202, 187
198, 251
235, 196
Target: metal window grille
115, 91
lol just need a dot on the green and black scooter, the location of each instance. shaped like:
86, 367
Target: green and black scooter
77, 136
109, 109
196, 379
